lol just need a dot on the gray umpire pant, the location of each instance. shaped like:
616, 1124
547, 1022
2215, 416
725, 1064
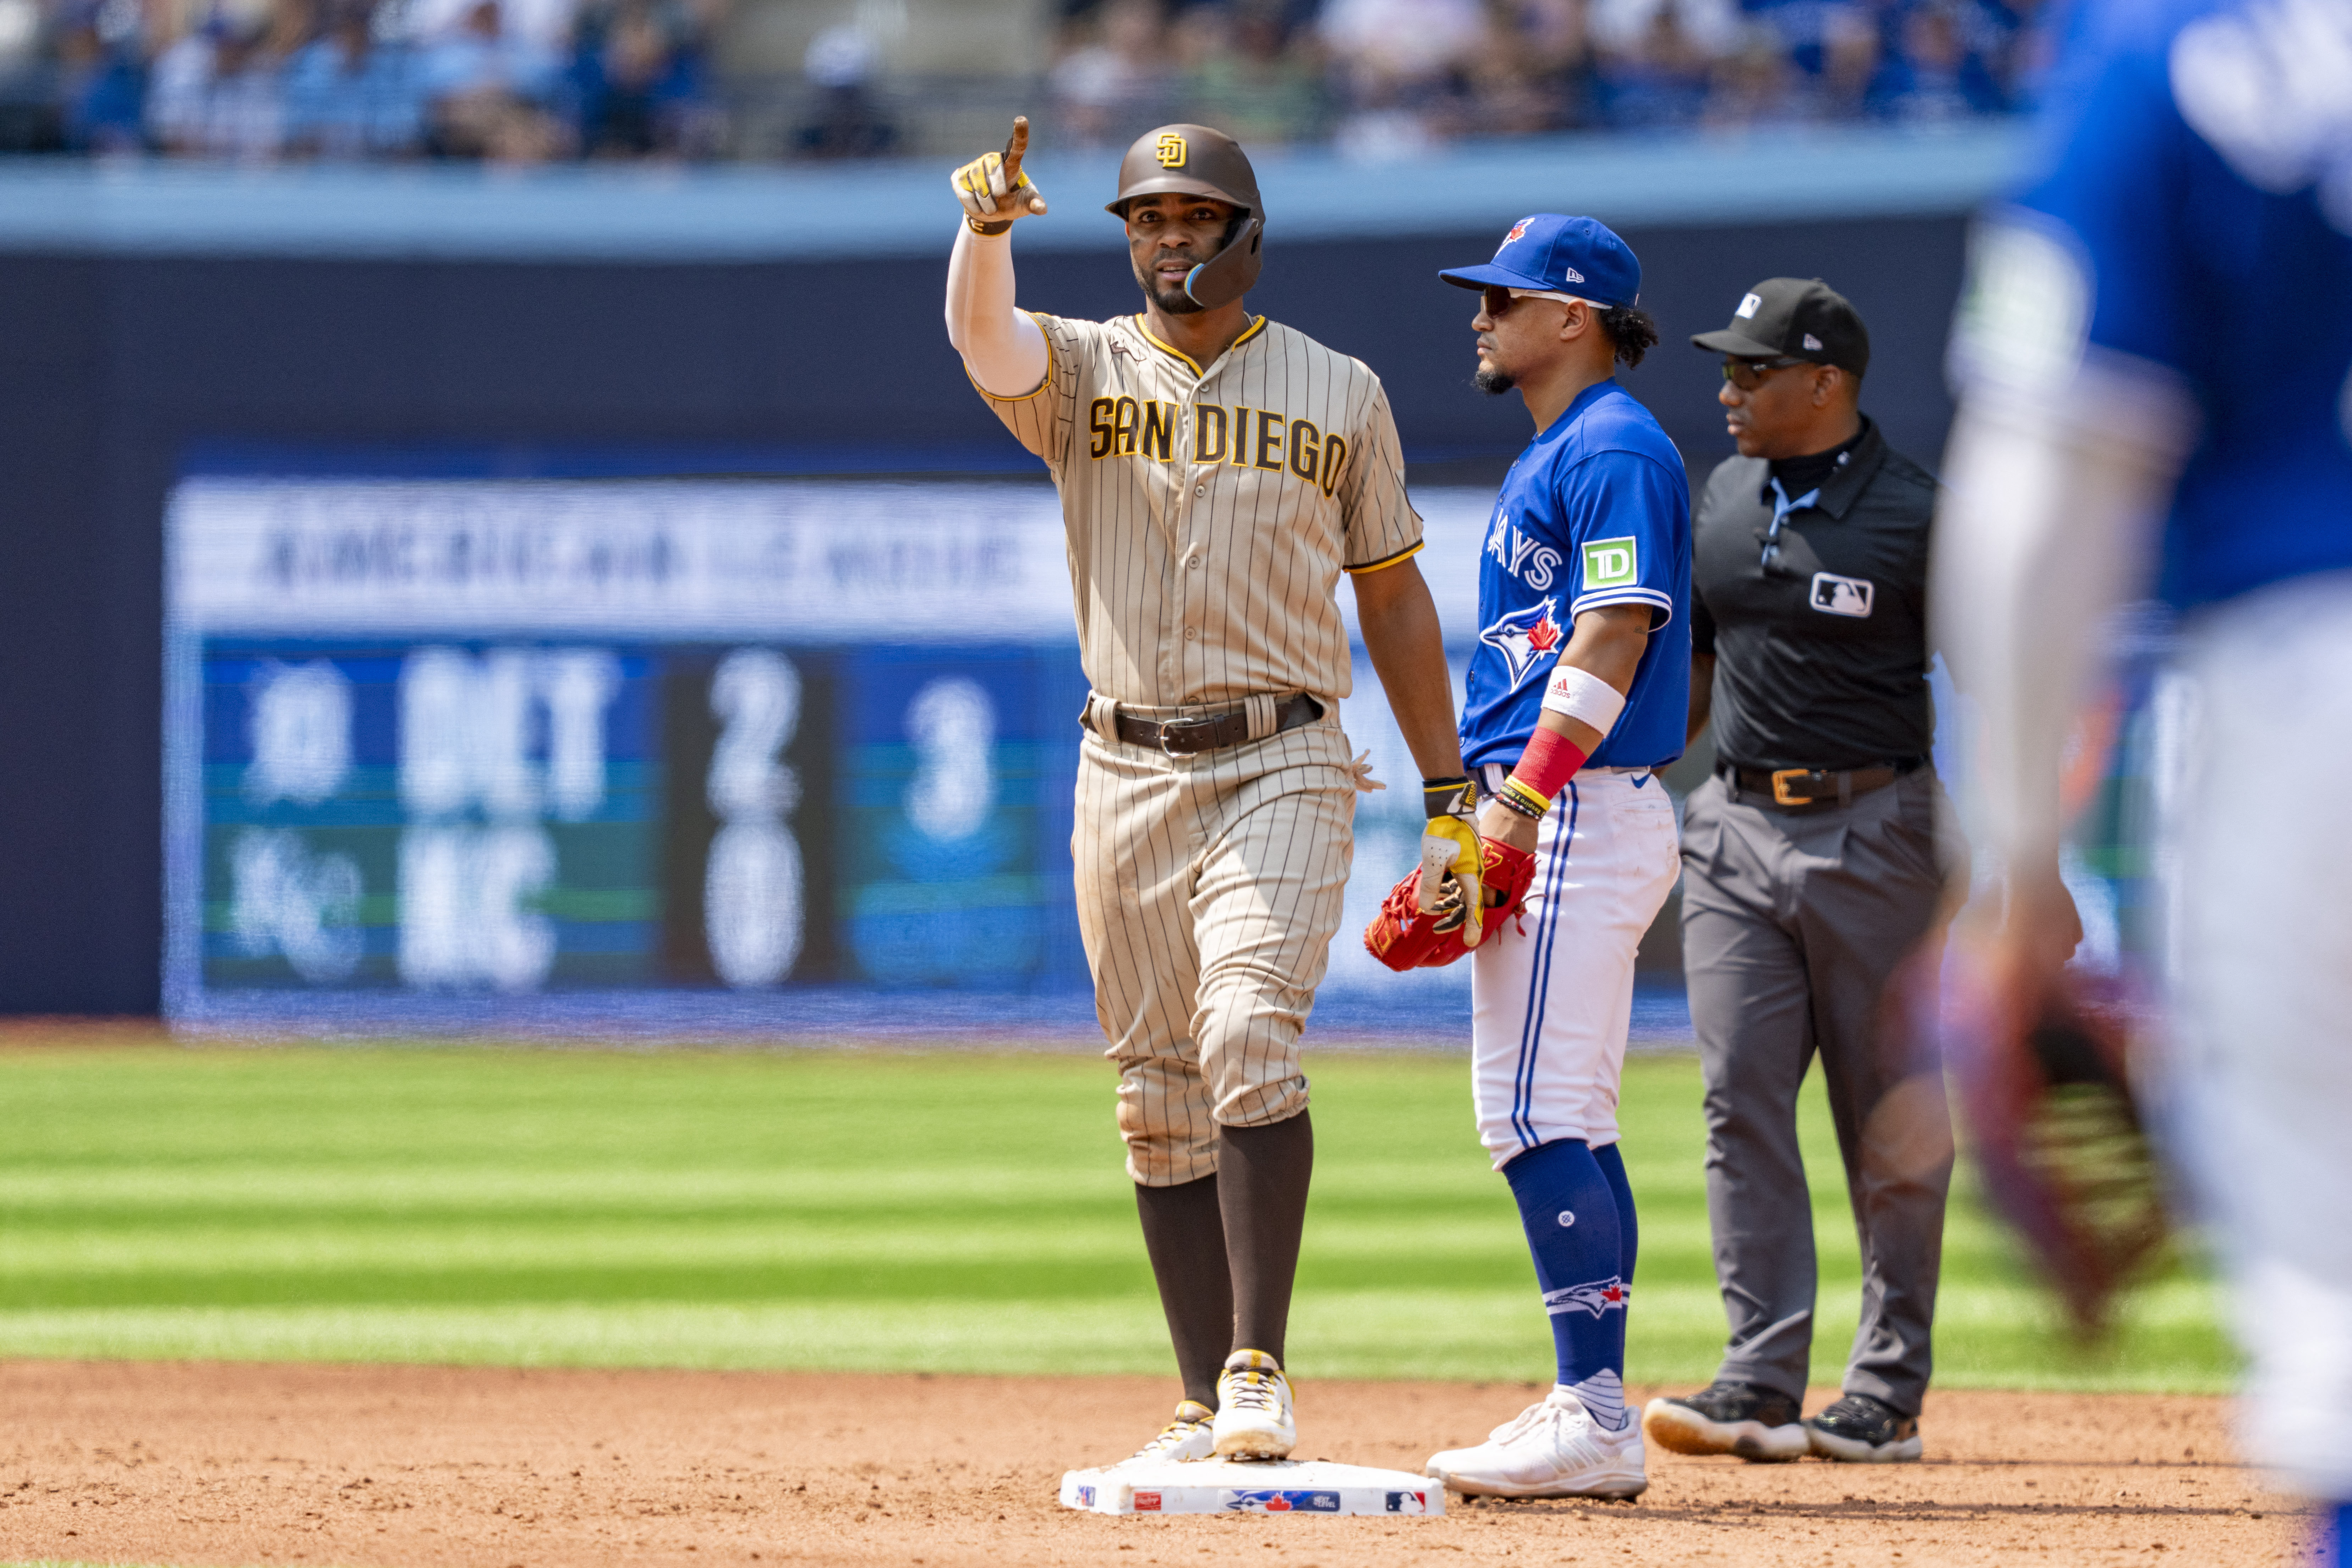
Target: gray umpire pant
1794, 921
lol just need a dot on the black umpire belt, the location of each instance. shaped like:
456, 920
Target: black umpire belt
1214, 731
1814, 786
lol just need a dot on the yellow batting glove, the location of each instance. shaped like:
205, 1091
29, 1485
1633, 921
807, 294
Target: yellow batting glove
993, 189
1451, 839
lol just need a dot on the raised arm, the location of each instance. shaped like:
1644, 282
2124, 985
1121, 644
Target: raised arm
1003, 350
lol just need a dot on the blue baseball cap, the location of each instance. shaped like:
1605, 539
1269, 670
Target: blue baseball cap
1556, 255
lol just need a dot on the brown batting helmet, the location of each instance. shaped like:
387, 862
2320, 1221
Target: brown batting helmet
1194, 161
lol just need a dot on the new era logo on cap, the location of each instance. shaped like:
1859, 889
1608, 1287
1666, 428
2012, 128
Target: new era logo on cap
1570, 275
1813, 342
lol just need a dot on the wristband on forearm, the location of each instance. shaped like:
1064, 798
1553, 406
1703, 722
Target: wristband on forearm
1449, 797
1550, 759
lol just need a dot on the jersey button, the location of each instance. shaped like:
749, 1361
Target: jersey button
1190, 634
1200, 489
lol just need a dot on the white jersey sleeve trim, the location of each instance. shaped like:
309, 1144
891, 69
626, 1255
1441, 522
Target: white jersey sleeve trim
1659, 602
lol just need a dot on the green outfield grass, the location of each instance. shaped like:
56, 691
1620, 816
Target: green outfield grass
851, 1210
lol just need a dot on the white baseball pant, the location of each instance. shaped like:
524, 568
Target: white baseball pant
1552, 993
2262, 1015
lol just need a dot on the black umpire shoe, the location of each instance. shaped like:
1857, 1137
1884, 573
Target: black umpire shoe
1756, 1424
1861, 1430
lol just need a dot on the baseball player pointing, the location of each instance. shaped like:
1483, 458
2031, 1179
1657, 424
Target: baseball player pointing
1218, 473
1577, 694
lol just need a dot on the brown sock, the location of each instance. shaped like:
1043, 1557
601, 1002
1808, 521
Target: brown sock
1261, 1178
1184, 1232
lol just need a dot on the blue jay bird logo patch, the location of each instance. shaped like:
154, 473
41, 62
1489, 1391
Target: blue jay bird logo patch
1527, 638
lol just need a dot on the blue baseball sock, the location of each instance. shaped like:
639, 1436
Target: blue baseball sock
2334, 1536
1611, 1162
1570, 1214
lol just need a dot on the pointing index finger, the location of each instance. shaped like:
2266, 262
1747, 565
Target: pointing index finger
1015, 148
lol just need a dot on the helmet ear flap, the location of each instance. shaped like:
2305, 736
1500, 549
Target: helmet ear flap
1228, 275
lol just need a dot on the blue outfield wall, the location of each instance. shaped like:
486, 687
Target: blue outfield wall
158, 323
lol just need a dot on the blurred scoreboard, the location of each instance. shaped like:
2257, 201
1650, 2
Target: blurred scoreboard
525, 739
616, 755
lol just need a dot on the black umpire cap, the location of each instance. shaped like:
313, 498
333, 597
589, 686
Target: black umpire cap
1793, 318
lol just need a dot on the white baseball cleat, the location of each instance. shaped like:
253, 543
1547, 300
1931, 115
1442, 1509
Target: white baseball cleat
1192, 1436
1254, 1420
1550, 1449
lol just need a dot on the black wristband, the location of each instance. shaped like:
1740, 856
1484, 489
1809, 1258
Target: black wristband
989, 230
1448, 797
1509, 801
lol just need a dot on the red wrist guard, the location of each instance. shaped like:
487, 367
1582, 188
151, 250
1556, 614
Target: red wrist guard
1548, 763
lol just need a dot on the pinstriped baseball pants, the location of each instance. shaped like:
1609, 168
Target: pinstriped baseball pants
1208, 890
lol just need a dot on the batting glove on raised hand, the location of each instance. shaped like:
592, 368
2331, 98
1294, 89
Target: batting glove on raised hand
1451, 855
993, 189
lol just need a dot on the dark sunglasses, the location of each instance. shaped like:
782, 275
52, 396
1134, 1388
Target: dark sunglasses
1747, 375
1499, 302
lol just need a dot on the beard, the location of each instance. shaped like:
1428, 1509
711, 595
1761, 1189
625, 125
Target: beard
1493, 383
1172, 301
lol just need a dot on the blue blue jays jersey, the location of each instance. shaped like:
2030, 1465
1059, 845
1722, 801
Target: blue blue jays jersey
1596, 512
2198, 172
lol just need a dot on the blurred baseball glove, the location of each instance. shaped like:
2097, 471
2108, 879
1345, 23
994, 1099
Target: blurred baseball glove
2044, 1074
993, 189
1405, 936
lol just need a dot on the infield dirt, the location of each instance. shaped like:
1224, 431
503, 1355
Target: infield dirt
221, 1464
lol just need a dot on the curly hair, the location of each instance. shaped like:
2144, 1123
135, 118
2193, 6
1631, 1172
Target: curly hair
1632, 329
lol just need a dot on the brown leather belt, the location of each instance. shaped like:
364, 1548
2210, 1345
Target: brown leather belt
1212, 731
1815, 786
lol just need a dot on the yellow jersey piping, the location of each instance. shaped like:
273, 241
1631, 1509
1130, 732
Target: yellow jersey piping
1025, 397
1386, 561
1247, 334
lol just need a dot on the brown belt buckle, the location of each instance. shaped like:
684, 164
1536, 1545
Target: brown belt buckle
1187, 729
1780, 796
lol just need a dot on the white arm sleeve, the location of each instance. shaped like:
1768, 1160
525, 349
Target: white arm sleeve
1003, 350
2044, 530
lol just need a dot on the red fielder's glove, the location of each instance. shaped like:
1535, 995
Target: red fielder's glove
1403, 937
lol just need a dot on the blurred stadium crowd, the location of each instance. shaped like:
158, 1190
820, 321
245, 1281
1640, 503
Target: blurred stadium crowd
533, 80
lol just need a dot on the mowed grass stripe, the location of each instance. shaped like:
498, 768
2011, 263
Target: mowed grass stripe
948, 1212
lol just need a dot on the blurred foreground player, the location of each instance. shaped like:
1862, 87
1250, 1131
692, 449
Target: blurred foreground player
1575, 698
2153, 361
1218, 473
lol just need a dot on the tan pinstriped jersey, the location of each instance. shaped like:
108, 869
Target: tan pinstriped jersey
1209, 514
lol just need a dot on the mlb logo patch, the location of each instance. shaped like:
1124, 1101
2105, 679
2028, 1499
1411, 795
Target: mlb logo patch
1748, 306
1611, 563
1836, 596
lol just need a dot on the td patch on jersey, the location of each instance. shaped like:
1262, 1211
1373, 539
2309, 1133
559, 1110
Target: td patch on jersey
1526, 638
1611, 563
1836, 596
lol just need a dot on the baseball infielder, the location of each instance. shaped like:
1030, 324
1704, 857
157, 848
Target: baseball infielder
2156, 360
1218, 473
1577, 695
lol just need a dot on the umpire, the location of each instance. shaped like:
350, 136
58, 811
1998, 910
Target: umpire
1811, 870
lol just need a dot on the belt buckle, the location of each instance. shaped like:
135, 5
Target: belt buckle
1781, 777
1190, 727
